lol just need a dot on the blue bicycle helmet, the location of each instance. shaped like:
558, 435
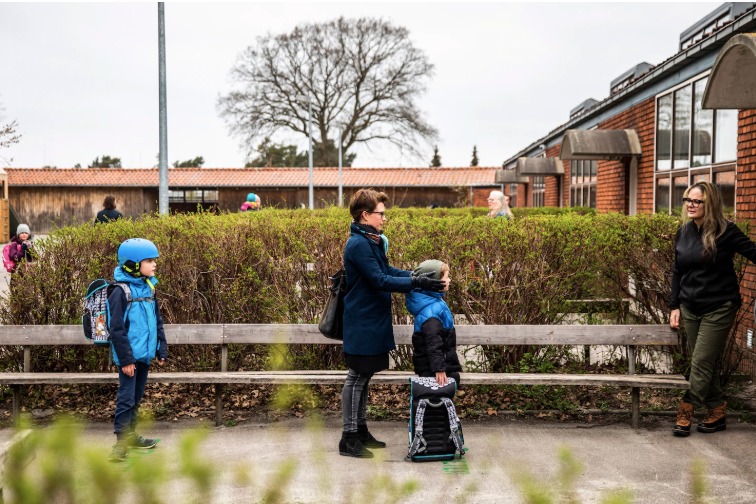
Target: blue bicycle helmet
252, 197
132, 252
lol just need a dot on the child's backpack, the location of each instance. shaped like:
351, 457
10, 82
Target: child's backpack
435, 432
95, 320
8, 263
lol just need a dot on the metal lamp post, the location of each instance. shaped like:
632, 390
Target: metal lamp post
341, 175
163, 116
308, 99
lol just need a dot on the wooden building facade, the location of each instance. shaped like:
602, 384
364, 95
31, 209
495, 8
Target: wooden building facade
48, 197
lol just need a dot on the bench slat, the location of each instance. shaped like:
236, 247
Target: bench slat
214, 334
337, 377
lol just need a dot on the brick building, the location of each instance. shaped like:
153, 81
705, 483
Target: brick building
660, 130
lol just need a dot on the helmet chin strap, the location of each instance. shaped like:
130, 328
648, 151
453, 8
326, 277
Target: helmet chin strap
132, 268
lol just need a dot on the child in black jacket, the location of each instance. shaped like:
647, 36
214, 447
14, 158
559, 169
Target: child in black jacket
434, 341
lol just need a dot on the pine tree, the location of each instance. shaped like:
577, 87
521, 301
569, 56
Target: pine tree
474, 161
436, 161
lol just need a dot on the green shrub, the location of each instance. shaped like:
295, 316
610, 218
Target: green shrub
272, 266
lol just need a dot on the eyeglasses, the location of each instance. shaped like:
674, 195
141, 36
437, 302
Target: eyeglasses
382, 214
695, 203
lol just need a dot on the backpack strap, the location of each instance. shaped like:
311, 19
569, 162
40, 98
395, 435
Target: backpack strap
126, 290
129, 298
454, 425
418, 441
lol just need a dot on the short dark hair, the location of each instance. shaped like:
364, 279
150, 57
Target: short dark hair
365, 200
109, 203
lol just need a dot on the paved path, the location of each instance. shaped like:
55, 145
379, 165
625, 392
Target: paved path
651, 463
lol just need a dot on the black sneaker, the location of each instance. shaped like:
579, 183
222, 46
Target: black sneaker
119, 453
137, 441
350, 446
368, 441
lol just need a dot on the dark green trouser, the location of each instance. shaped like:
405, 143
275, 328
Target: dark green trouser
707, 335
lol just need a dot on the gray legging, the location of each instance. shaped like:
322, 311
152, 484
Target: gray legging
354, 399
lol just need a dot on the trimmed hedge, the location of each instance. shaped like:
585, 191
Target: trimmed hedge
272, 267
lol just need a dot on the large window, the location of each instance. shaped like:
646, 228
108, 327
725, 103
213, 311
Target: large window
583, 184
196, 196
693, 144
538, 184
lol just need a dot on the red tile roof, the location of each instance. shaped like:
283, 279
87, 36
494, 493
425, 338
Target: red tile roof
257, 177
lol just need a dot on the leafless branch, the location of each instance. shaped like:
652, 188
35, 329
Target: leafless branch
362, 74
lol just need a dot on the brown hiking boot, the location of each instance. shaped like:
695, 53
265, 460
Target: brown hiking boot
715, 421
684, 419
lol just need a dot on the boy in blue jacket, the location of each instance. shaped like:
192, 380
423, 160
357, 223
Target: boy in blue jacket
136, 335
434, 340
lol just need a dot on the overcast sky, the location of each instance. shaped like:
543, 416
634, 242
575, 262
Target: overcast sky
82, 79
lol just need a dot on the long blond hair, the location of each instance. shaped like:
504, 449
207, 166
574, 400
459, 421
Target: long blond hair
714, 222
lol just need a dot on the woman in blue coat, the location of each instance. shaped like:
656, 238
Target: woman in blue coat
368, 328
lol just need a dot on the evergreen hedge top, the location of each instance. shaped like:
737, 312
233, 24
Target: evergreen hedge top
272, 266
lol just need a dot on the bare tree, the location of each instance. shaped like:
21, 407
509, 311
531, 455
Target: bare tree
363, 74
8, 134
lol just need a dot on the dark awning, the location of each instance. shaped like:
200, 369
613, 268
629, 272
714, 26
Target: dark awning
510, 177
600, 144
732, 82
540, 166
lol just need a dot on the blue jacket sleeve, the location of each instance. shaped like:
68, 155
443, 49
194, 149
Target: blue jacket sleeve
398, 272
366, 261
162, 349
119, 338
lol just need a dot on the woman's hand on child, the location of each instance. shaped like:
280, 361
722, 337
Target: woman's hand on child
441, 378
129, 370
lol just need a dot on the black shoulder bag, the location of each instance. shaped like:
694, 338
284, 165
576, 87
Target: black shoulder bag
332, 319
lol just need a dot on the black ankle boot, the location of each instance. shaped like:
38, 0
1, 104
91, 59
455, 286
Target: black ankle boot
350, 446
367, 439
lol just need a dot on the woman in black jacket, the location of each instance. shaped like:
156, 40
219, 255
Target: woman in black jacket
368, 328
705, 299
108, 212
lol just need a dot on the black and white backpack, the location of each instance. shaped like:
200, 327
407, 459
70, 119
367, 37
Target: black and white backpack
435, 432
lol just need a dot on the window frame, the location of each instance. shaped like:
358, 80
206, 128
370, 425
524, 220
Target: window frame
180, 196
708, 171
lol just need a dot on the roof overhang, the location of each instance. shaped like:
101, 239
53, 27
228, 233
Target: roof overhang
595, 145
732, 82
510, 177
540, 166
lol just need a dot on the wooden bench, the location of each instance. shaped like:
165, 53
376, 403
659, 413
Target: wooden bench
629, 336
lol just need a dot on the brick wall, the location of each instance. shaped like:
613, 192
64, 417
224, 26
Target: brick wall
745, 198
551, 195
612, 183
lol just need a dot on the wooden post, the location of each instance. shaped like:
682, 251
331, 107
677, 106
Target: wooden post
635, 392
16, 401
219, 387
27, 359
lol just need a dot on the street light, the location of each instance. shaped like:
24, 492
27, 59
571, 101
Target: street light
341, 176
308, 99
